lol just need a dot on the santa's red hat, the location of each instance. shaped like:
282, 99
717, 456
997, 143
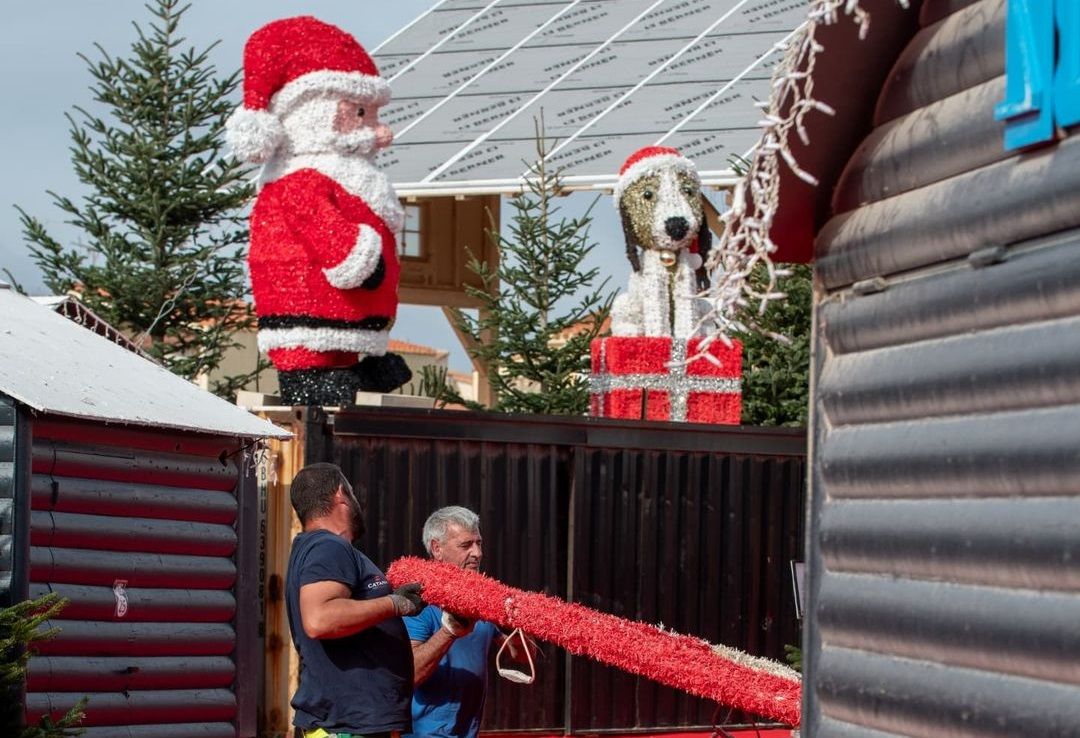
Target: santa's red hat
286, 62
650, 160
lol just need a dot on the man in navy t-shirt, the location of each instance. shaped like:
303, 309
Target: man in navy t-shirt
451, 654
356, 667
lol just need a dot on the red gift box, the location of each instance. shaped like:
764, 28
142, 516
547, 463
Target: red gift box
647, 378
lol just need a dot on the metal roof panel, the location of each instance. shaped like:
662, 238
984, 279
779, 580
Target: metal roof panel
609, 77
54, 365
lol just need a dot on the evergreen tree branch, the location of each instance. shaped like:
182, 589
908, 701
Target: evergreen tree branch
538, 304
776, 376
163, 216
21, 627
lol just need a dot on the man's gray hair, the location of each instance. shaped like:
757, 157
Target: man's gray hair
437, 522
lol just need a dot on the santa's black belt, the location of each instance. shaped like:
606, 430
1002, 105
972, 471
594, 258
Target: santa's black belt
277, 322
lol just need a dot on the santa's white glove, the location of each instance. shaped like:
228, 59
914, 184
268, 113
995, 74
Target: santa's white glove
456, 625
361, 262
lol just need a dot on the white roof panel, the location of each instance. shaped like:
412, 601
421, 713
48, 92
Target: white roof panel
53, 365
619, 66
610, 76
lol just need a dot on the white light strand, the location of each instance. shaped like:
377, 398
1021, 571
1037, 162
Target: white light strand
746, 241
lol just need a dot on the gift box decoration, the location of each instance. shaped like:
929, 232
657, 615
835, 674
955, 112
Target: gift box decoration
649, 378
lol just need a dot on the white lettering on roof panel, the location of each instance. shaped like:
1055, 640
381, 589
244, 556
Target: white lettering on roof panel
422, 36
590, 23
413, 162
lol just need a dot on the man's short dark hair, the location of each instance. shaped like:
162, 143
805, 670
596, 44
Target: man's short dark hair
313, 490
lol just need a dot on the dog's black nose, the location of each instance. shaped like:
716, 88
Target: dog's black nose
676, 227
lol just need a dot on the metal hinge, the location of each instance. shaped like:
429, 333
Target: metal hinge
870, 286
987, 257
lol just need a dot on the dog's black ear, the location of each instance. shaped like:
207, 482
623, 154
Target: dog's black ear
704, 246
632, 244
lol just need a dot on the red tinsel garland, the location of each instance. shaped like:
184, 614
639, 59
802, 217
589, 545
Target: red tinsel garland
679, 661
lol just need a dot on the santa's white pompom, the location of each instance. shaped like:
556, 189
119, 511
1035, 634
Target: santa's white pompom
254, 135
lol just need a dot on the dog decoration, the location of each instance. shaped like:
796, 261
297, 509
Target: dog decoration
658, 194
661, 362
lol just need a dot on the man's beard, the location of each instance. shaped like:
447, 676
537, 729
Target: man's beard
359, 527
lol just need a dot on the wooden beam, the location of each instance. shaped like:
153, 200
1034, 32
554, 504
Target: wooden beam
284, 460
484, 394
409, 295
712, 215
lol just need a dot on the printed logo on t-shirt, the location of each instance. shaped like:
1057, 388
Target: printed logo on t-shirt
377, 582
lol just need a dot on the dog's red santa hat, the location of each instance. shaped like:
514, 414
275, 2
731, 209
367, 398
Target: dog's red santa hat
649, 160
286, 62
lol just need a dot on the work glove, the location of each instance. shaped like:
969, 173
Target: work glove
407, 599
456, 625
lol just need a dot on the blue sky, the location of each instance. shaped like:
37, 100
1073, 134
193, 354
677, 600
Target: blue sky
44, 78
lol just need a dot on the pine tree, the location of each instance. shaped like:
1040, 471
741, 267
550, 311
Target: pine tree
163, 232
19, 630
776, 376
539, 309
433, 382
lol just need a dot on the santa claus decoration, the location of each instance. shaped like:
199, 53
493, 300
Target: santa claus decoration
323, 254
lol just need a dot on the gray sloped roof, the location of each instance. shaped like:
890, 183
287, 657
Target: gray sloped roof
73, 309
611, 76
53, 365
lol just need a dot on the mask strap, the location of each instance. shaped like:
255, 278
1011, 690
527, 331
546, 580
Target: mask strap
513, 675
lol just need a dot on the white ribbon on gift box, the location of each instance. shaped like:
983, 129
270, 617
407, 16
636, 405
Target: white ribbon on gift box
677, 383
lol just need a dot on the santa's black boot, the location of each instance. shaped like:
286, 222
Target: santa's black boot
335, 387
382, 373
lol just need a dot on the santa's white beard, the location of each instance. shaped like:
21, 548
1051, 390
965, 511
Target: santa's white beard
321, 138
356, 173
360, 142
347, 158
310, 129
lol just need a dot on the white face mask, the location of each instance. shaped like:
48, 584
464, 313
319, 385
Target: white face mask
514, 675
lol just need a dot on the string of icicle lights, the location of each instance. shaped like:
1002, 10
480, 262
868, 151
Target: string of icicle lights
746, 242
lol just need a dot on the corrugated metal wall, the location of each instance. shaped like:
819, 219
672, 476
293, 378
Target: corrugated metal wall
701, 542
519, 488
689, 525
145, 534
14, 528
945, 562
7, 501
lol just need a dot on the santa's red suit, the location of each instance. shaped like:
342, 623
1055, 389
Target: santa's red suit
323, 261
324, 273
